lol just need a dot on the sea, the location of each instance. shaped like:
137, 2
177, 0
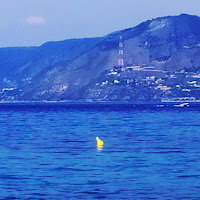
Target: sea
48, 151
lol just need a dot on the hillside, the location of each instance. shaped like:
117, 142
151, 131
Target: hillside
161, 61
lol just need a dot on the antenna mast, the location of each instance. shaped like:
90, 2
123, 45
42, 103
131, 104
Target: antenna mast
121, 53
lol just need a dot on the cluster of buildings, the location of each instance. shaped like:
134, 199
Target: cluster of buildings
172, 86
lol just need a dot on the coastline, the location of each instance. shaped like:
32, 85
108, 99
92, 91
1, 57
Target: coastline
98, 104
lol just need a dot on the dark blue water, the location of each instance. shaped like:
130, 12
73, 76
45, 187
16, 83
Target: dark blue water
148, 153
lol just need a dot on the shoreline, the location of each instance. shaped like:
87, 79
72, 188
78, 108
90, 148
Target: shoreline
98, 104
101, 102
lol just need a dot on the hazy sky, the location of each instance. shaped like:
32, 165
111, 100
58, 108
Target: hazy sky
33, 22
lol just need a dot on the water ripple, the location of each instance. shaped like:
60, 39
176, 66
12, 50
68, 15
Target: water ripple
52, 154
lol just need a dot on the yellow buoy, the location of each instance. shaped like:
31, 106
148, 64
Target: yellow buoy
99, 142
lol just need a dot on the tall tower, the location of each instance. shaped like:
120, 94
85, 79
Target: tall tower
121, 53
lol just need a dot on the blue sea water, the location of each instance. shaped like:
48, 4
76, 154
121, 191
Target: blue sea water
49, 152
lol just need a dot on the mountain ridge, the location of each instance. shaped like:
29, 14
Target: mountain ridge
72, 69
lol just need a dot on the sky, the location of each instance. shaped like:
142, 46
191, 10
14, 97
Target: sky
34, 22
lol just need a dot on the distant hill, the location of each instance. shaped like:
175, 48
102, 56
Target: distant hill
86, 69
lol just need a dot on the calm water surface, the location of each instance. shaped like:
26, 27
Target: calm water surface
50, 153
